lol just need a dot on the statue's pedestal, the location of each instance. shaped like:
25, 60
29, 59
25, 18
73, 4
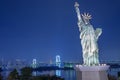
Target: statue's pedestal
91, 72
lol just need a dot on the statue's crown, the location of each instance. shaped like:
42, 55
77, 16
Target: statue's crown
86, 16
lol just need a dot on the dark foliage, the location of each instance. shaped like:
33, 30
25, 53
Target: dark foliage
13, 75
119, 74
1, 77
26, 73
110, 77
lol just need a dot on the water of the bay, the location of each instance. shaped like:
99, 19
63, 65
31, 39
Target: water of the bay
66, 74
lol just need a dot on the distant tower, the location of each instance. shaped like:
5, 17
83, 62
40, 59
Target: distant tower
58, 61
34, 63
50, 61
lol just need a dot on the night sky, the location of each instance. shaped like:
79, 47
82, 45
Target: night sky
42, 29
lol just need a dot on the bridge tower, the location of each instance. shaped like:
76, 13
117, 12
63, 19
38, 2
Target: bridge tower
34, 63
58, 61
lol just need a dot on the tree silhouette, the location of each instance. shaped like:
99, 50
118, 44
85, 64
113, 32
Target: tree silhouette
1, 76
26, 73
13, 75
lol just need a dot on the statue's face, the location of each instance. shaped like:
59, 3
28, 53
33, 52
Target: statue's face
86, 21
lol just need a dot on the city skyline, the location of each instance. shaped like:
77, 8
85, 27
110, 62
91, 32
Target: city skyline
46, 28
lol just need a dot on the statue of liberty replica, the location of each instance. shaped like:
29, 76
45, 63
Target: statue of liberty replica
89, 37
91, 68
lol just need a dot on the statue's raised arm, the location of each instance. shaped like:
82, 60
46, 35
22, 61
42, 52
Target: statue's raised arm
78, 11
80, 21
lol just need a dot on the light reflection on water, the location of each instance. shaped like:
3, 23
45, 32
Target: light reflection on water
58, 72
66, 74
69, 75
